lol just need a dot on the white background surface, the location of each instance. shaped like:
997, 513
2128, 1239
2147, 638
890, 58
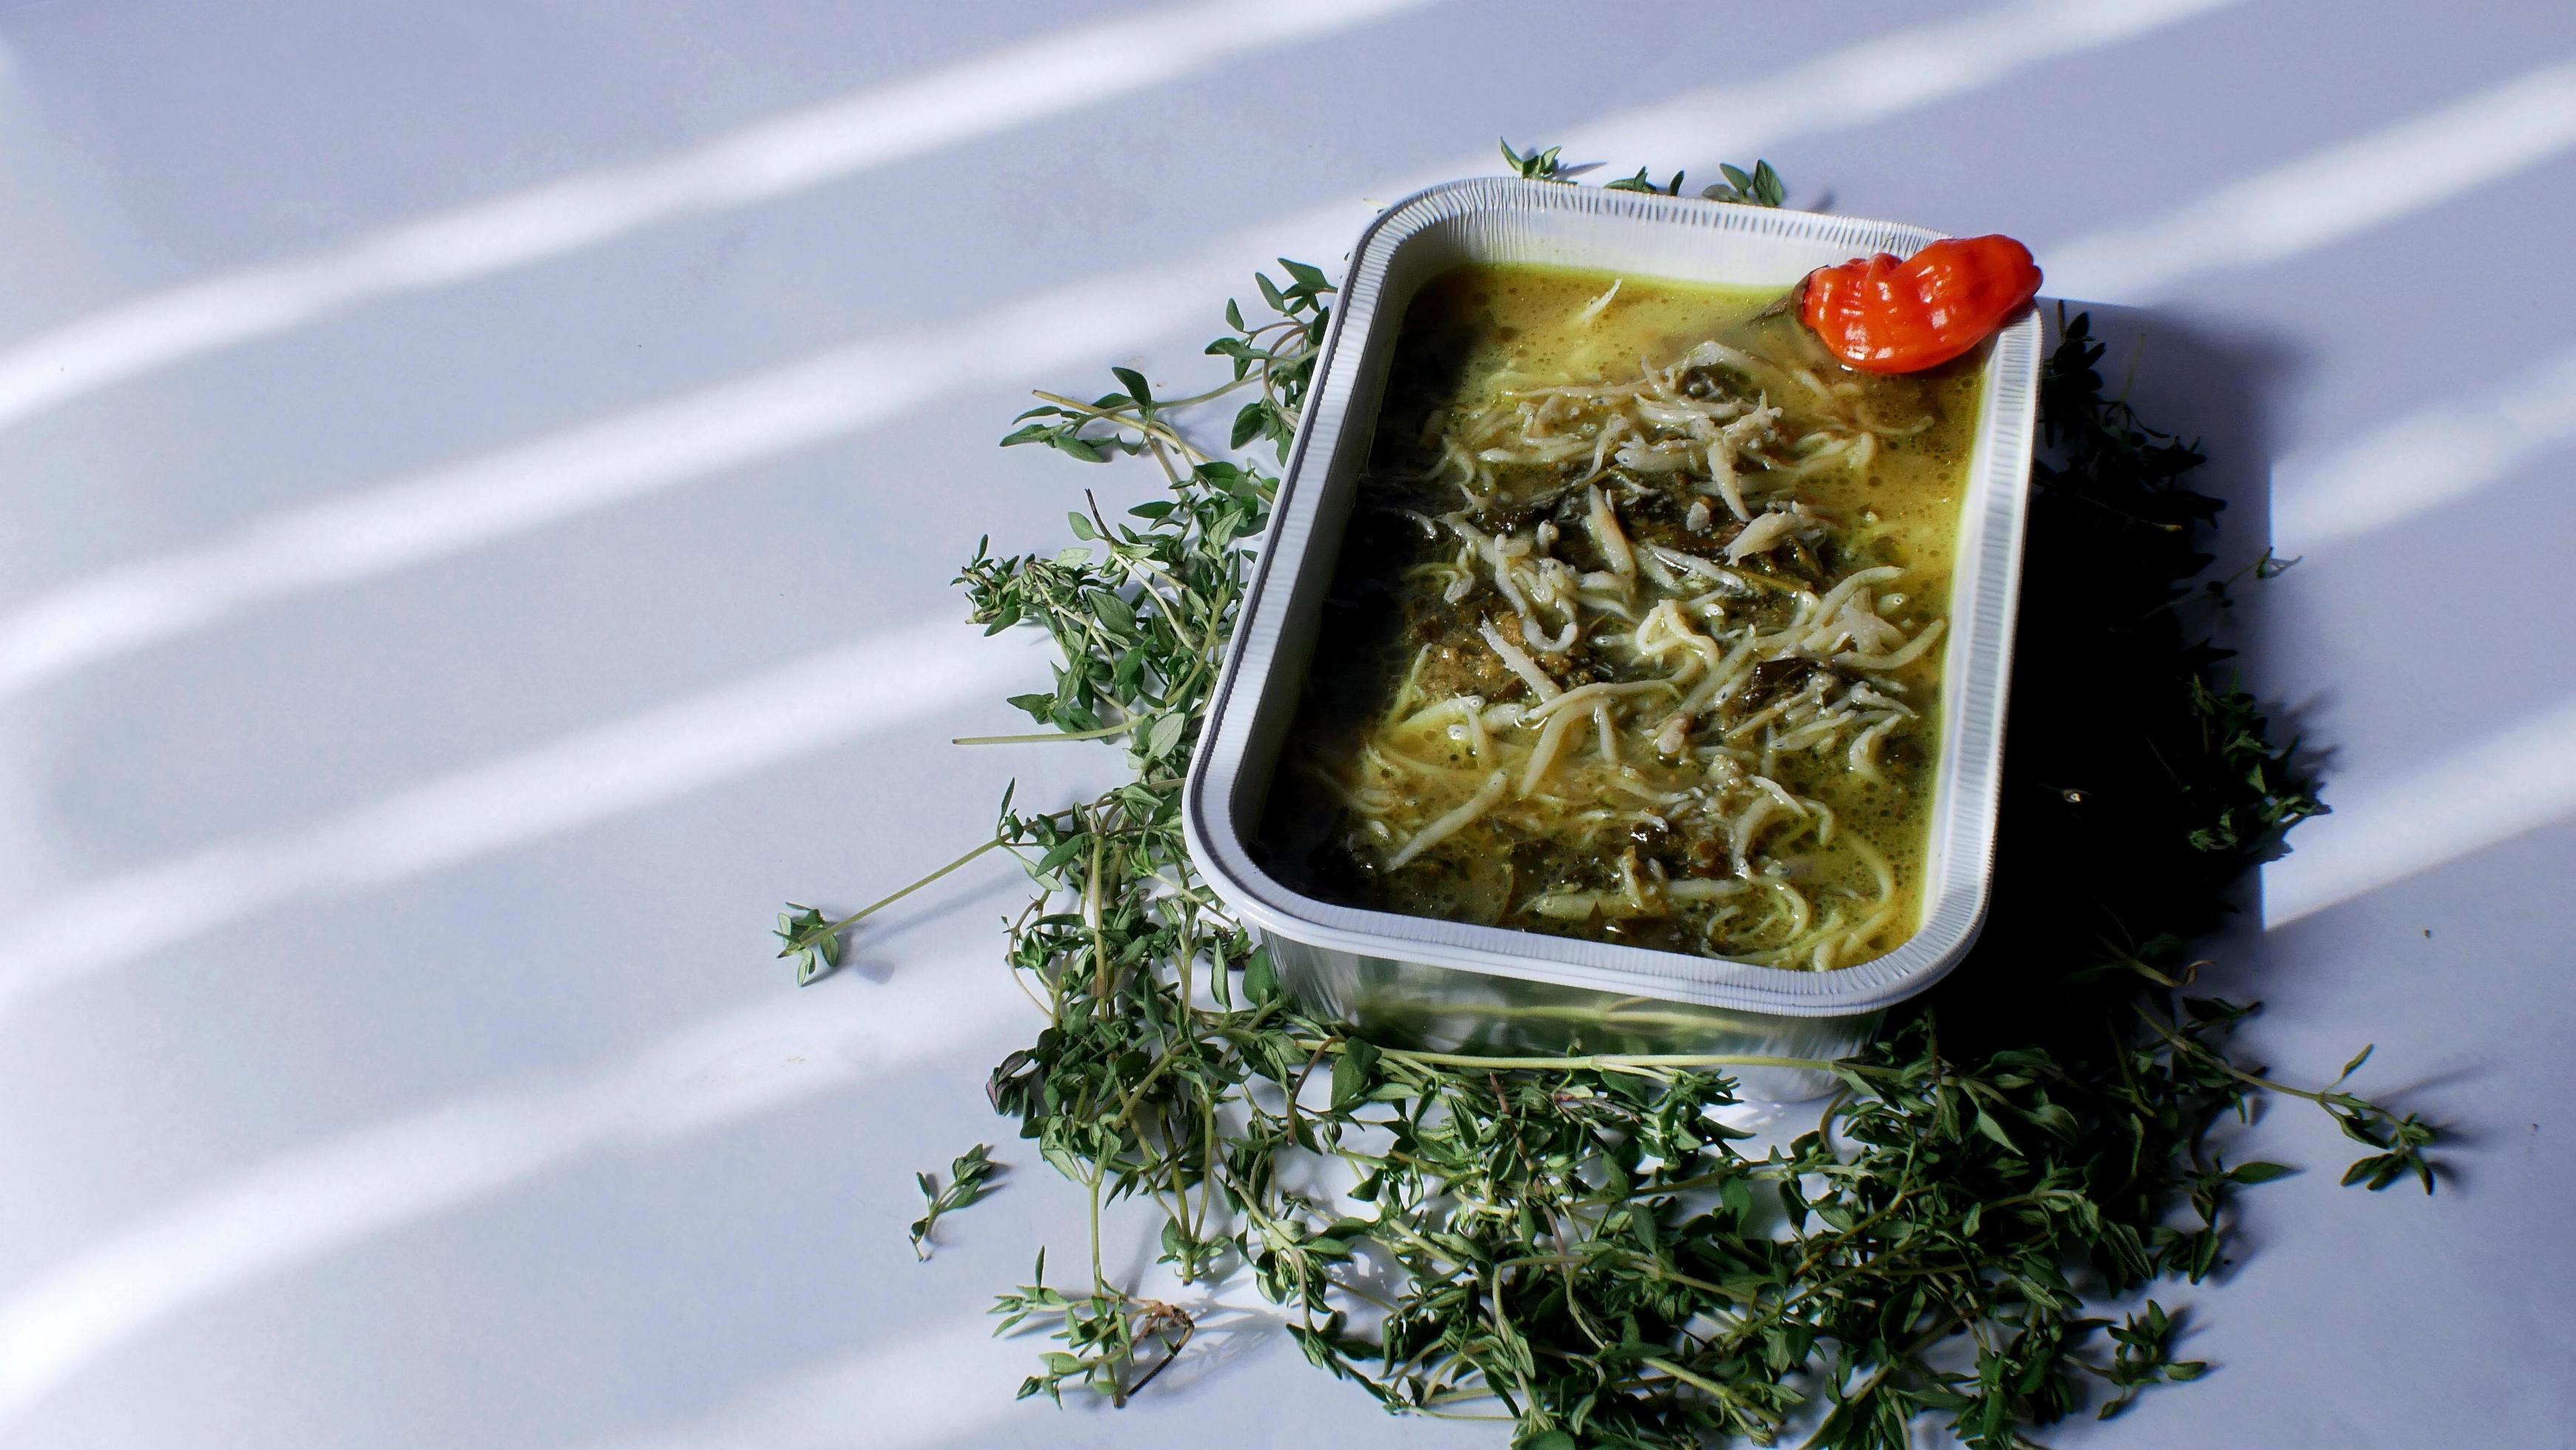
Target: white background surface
478, 486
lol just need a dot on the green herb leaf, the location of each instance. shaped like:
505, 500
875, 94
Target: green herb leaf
1134, 382
1351, 1072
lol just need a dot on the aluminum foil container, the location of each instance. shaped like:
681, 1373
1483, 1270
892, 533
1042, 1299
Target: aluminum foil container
1454, 986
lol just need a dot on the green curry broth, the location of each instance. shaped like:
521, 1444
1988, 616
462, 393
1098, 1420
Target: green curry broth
1411, 784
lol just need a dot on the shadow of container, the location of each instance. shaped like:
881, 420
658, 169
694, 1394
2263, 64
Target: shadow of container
2106, 860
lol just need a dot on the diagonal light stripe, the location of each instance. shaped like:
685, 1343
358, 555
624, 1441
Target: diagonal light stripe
868, 131
628, 765
408, 520
950, 1382
2413, 166
2426, 459
2381, 832
919, 1389
1886, 76
785, 1049
396, 523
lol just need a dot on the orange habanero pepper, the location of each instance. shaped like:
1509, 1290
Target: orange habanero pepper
1885, 315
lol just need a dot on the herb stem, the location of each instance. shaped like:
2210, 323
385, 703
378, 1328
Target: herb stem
881, 903
2199, 1053
1047, 737
1091, 889
1146, 426
1648, 1063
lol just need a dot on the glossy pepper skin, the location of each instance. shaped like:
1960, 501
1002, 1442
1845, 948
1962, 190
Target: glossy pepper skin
1883, 314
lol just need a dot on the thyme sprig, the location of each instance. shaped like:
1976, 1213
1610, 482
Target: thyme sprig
1759, 187
970, 1177
1278, 355
1581, 1246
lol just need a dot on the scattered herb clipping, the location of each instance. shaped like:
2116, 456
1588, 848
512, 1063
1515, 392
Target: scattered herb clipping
1578, 1246
969, 1178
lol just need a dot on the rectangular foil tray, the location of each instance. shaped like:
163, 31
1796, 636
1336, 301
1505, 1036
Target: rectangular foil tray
1449, 986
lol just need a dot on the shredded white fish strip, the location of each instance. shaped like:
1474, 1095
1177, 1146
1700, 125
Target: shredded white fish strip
1600, 304
1517, 660
1455, 821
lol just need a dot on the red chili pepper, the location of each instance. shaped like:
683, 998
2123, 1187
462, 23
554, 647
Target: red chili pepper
1885, 315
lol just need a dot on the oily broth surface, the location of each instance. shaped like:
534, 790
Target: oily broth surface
1396, 637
